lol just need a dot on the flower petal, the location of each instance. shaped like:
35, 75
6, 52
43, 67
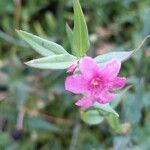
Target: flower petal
88, 67
111, 69
118, 83
85, 102
105, 97
75, 84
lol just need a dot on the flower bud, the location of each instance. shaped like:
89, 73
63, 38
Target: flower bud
16, 134
72, 68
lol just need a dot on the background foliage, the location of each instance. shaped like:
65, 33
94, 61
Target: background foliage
35, 110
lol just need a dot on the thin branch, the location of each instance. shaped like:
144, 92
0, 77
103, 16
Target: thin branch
49, 118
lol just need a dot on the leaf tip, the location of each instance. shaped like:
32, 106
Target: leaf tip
117, 115
28, 63
18, 31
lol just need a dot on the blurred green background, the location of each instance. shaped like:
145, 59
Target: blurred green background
36, 113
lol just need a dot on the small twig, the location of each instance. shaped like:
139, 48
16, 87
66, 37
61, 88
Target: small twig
17, 13
20, 119
141, 44
49, 118
58, 120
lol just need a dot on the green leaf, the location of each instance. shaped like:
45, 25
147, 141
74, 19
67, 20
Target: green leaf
70, 35
120, 56
62, 61
106, 108
113, 122
80, 33
40, 45
91, 117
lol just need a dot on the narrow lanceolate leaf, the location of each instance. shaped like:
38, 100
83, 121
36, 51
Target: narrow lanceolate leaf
91, 117
40, 45
80, 34
70, 36
106, 108
120, 56
61, 61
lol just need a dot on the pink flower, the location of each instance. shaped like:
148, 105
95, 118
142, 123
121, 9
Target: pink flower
97, 84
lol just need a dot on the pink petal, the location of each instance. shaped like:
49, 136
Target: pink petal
75, 84
85, 102
105, 97
88, 67
118, 83
111, 69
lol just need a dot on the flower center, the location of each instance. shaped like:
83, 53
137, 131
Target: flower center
95, 82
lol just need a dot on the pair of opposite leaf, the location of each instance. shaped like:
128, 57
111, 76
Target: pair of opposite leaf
97, 79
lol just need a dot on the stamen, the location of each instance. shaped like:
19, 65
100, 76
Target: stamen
95, 82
